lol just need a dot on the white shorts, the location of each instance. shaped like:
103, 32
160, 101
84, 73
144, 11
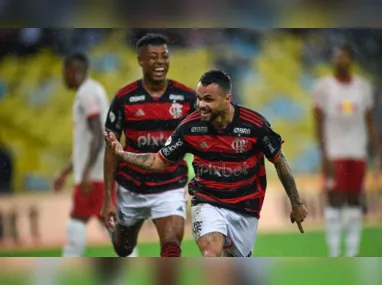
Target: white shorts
133, 207
239, 229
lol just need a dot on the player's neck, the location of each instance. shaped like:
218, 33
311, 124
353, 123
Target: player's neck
153, 88
224, 119
80, 81
344, 77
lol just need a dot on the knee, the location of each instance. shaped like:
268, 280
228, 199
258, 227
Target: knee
171, 249
123, 251
211, 253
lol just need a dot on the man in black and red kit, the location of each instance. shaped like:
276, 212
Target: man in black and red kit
229, 143
147, 111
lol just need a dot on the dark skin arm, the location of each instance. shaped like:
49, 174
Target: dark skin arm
319, 116
284, 173
95, 127
373, 138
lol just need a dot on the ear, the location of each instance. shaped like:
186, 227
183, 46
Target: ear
228, 97
140, 61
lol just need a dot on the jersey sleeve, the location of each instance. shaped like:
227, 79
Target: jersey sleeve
175, 147
369, 96
90, 102
114, 119
318, 93
270, 141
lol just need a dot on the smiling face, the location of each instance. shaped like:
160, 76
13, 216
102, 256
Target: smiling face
212, 101
155, 62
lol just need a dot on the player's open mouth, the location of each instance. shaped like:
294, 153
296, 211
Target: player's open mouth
159, 71
204, 113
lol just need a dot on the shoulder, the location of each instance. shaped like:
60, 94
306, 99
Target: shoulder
362, 81
182, 92
190, 120
127, 90
90, 87
252, 118
323, 81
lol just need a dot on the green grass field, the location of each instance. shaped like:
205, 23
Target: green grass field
309, 244
283, 271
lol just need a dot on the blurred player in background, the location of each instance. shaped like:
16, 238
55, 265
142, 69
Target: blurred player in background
147, 111
90, 107
344, 123
229, 143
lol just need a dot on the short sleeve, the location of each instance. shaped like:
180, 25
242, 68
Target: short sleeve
270, 141
115, 117
318, 93
175, 147
90, 102
369, 96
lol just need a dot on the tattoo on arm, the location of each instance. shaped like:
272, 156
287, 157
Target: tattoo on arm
144, 160
285, 175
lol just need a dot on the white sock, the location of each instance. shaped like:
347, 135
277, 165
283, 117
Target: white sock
76, 239
46, 271
333, 230
353, 225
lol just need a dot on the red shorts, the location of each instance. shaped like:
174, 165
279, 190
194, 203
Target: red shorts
349, 175
88, 205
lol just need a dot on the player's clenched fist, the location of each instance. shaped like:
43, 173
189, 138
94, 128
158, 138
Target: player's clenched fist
108, 214
298, 215
112, 143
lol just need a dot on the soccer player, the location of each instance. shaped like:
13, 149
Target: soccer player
90, 107
147, 111
229, 143
343, 105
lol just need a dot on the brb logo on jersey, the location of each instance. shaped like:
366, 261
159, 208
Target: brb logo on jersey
176, 110
222, 170
149, 140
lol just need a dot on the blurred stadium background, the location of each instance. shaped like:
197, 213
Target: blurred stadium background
272, 71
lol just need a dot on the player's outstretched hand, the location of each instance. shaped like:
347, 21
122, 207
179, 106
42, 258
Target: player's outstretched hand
112, 143
298, 215
108, 214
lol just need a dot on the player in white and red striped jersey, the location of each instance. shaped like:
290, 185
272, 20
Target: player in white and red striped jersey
343, 104
90, 107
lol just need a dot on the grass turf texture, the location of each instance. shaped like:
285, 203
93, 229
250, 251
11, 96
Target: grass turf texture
309, 244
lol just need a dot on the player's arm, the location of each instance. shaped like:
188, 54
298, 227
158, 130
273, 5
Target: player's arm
173, 151
114, 123
285, 175
271, 146
318, 115
95, 127
146, 161
373, 134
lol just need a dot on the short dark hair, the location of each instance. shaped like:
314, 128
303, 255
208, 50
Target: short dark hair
78, 57
151, 39
217, 77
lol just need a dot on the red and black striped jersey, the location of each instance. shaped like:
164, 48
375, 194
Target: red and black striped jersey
147, 122
229, 164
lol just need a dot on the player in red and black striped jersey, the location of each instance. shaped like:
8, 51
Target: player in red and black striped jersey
229, 143
146, 112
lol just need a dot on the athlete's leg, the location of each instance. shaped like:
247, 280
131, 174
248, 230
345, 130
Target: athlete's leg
334, 204
168, 212
353, 212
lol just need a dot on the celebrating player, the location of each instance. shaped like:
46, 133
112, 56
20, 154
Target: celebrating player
89, 112
344, 124
147, 111
229, 143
